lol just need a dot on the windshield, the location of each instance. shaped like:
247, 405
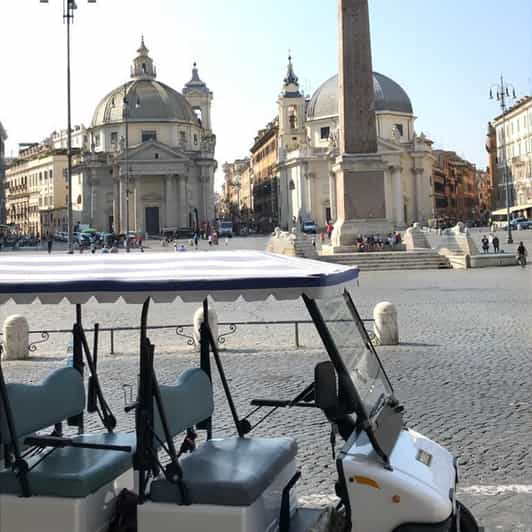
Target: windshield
354, 347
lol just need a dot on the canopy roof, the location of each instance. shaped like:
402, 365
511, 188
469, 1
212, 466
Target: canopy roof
191, 276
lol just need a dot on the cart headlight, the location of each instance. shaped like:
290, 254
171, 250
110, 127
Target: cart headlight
424, 457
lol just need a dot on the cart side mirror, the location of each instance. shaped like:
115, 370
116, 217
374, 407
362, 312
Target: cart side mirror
325, 386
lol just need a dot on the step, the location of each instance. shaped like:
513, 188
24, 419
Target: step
417, 260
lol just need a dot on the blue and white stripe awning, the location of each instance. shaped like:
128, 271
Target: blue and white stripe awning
190, 276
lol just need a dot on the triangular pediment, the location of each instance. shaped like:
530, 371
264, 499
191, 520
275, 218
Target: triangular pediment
154, 151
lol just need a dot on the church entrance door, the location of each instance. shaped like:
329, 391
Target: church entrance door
152, 220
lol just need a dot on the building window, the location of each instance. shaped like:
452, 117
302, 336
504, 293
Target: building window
97, 139
40, 176
149, 135
399, 129
50, 174
195, 140
182, 137
325, 132
79, 200
114, 138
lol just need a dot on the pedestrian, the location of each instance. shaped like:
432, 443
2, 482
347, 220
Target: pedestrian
521, 254
490, 240
210, 240
496, 244
196, 240
330, 228
226, 241
485, 244
50, 243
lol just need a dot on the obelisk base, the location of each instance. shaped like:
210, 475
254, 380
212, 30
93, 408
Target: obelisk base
361, 199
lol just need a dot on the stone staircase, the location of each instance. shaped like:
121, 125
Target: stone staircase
391, 260
304, 247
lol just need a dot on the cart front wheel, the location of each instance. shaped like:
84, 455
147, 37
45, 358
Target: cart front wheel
467, 521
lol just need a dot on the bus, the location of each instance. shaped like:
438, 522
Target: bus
498, 218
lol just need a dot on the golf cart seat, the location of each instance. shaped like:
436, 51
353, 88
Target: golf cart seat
69, 472
220, 472
228, 472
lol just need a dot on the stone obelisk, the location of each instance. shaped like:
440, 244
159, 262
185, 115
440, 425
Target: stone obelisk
360, 194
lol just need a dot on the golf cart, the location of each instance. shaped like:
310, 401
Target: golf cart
389, 478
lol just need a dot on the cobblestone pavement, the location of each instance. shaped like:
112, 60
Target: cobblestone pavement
463, 371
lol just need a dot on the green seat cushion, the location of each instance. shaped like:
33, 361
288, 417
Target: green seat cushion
228, 472
74, 472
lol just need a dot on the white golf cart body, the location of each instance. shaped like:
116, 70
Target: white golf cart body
390, 480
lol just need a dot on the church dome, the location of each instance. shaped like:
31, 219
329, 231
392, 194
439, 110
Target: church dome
389, 96
148, 100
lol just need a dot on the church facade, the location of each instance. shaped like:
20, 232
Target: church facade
148, 165
308, 149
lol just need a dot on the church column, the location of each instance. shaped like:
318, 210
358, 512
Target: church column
116, 205
332, 195
171, 202
418, 181
122, 195
183, 203
398, 199
138, 223
388, 195
412, 213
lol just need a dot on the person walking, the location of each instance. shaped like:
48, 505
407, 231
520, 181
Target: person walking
50, 243
490, 240
496, 244
330, 228
521, 254
196, 240
485, 244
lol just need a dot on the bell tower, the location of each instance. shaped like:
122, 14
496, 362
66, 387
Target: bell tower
200, 98
291, 103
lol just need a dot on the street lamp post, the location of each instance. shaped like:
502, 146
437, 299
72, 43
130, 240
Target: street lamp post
68, 14
502, 90
126, 116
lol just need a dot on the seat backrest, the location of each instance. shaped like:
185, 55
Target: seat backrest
186, 403
38, 406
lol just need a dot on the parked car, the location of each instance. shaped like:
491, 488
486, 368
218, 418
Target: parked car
521, 223
309, 227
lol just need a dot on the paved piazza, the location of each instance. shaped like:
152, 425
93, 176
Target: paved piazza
463, 371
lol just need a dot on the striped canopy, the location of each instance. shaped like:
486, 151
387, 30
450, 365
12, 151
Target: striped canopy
164, 277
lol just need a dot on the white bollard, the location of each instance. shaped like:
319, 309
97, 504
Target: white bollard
198, 320
385, 327
16, 338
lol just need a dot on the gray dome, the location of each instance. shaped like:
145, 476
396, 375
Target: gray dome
389, 96
157, 103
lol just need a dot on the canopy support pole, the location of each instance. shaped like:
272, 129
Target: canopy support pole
205, 361
207, 344
142, 460
21, 467
145, 459
77, 362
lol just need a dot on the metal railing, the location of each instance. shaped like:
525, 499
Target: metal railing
230, 328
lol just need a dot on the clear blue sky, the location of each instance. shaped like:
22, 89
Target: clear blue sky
445, 53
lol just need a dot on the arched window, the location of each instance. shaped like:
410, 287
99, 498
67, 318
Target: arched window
292, 117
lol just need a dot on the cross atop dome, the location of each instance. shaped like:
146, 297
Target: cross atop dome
143, 67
